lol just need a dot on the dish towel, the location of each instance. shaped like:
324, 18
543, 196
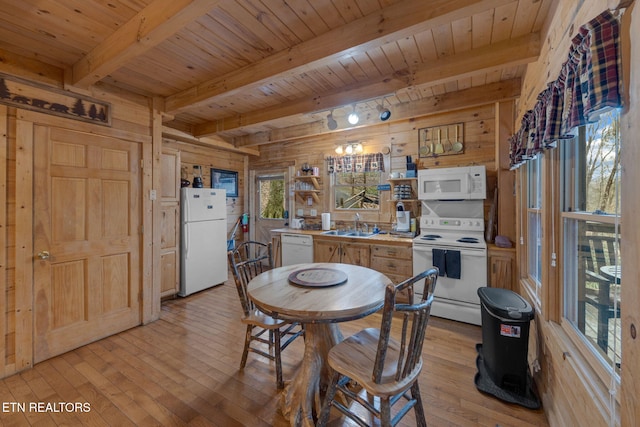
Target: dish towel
439, 260
453, 264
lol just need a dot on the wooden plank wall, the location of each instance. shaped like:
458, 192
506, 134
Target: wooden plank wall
131, 120
399, 139
572, 391
208, 158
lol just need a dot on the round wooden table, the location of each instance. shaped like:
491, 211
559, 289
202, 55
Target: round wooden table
319, 308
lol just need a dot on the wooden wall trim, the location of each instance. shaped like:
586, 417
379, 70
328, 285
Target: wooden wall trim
24, 245
630, 248
3, 237
151, 298
113, 132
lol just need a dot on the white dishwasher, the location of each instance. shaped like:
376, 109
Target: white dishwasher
296, 249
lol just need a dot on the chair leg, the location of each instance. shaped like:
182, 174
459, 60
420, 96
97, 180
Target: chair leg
247, 343
418, 408
278, 359
326, 407
385, 411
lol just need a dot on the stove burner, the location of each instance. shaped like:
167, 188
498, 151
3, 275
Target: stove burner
428, 238
468, 240
431, 236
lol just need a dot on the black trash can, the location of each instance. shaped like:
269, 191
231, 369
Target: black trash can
505, 338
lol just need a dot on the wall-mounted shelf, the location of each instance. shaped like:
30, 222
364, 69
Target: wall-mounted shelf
304, 194
405, 181
314, 192
313, 179
402, 179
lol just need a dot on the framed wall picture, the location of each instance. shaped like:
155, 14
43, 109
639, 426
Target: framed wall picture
226, 180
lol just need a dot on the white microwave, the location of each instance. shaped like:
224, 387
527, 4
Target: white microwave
462, 183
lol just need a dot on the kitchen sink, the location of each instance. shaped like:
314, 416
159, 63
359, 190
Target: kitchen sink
336, 233
347, 233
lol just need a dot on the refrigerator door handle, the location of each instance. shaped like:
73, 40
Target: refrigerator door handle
186, 240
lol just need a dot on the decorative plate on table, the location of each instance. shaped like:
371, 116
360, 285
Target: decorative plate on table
318, 277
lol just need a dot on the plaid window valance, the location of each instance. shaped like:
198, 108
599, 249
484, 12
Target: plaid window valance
356, 163
589, 83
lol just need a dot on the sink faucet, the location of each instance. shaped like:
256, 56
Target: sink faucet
356, 218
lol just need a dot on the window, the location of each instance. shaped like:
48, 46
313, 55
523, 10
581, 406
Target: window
271, 196
590, 175
534, 224
356, 190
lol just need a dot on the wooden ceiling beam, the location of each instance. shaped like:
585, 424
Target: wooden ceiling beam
177, 135
151, 26
400, 20
507, 53
467, 98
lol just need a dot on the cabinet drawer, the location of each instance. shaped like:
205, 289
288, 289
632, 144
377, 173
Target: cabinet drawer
403, 252
384, 265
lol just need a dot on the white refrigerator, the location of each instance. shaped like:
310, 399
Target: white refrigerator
203, 239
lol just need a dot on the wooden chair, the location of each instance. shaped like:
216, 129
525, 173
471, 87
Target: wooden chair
247, 261
385, 367
596, 249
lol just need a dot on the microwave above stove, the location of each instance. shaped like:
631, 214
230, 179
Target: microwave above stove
461, 183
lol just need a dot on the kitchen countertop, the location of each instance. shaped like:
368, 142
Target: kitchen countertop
381, 238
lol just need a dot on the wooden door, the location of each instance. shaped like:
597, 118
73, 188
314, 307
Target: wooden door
326, 250
356, 253
87, 223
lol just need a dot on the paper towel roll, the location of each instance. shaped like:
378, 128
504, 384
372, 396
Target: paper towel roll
326, 221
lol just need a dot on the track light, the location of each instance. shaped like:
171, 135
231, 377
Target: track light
331, 122
353, 117
384, 113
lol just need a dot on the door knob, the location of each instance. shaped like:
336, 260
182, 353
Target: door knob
43, 254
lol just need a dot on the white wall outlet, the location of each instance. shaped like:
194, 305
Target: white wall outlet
314, 212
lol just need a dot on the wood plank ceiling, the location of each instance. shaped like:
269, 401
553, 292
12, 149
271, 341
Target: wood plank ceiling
251, 72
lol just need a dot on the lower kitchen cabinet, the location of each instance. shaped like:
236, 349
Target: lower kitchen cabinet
332, 250
502, 267
395, 262
170, 250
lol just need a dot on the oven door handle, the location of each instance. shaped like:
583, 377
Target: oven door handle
463, 252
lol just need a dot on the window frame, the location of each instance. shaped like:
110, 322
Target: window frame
335, 186
597, 371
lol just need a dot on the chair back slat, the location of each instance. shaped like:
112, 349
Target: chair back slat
247, 261
414, 317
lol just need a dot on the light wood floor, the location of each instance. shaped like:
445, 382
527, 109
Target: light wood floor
183, 370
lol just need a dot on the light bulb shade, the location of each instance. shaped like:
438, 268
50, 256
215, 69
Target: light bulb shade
353, 118
358, 148
331, 122
348, 149
339, 149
